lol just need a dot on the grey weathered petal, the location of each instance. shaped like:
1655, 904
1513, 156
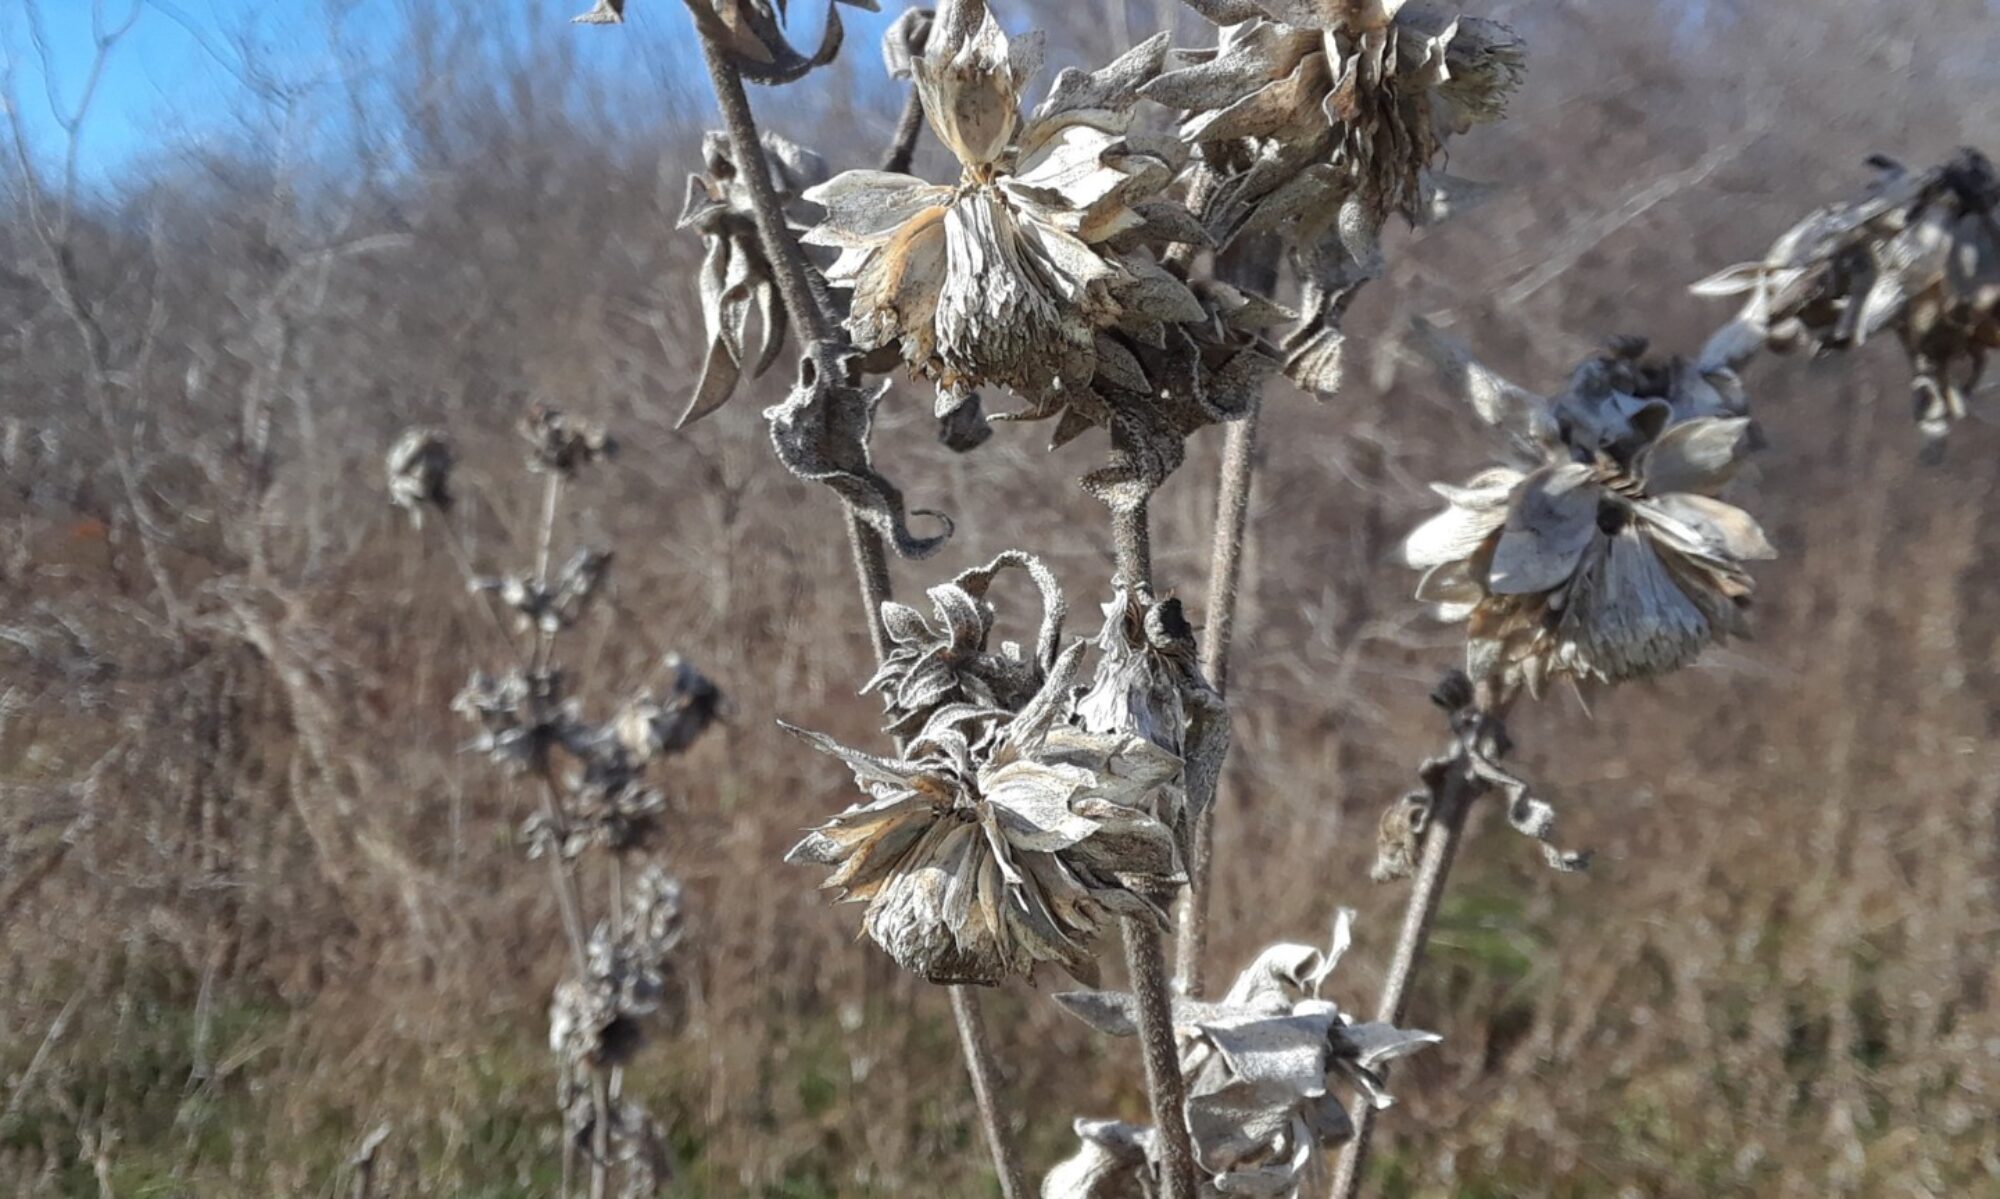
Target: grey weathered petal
1373, 1044
1114, 87
1550, 523
865, 208
1111, 1162
1032, 801
1633, 620
1722, 531
1492, 397
1453, 534
1698, 456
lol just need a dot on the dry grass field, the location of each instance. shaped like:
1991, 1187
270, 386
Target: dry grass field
254, 903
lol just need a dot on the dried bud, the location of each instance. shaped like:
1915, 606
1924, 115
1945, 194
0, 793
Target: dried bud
419, 470
600, 1020
554, 606
522, 716
649, 727
560, 444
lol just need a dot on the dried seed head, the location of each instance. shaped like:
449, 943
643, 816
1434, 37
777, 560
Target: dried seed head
522, 717
993, 843
1606, 555
1916, 254
560, 444
735, 276
419, 470
1265, 1068
1007, 275
629, 982
558, 604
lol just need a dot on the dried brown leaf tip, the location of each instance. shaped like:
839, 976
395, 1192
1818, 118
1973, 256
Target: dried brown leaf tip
751, 36
735, 277
998, 841
1603, 553
1918, 253
560, 444
1265, 1067
418, 466
1007, 275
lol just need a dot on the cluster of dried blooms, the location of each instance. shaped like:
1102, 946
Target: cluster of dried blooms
596, 795
1027, 797
1007, 831
1916, 254
1264, 1064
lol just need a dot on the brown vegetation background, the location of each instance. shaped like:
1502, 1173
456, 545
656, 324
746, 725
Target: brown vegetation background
254, 904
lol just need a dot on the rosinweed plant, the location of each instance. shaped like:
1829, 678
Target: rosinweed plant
597, 807
1026, 799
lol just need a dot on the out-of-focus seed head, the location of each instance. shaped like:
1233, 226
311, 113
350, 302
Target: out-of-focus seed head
419, 471
561, 444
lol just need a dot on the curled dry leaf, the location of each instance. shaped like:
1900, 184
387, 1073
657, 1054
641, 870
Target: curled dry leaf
751, 36
903, 42
1264, 1066
821, 435
996, 842
1604, 554
931, 665
1915, 253
1113, 1160
418, 466
736, 277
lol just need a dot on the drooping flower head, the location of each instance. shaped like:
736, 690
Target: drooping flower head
1604, 553
1319, 118
419, 471
1264, 1066
1916, 253
994, 842
1006, 274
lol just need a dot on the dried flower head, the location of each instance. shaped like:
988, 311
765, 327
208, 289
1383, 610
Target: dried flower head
554, 605
560, 444
1305, 102
1915, 253
419, 470
1605, 555
934, 665
735, 275
751, 36
1264, 1065
522, 716
1007, 275
993, 843
601, 1019
650, 727
1149, 684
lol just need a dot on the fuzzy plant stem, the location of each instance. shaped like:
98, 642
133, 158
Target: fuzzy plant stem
903, 147
1145, 955
985, 1086
801, 299
871, 561
600, 1134
1225, 573
1441, 838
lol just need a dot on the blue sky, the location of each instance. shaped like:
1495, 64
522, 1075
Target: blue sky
176, 74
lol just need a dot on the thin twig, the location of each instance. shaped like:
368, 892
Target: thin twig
1232, 511
1443, 830
985, 1085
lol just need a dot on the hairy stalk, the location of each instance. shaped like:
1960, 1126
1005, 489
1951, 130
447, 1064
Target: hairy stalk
1232, 512
559, 875
545, 538
1145, 956
600, 1134
985, 1085
871, 562
1255, 267
1441, 838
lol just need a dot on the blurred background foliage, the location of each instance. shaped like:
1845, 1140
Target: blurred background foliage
253, 904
